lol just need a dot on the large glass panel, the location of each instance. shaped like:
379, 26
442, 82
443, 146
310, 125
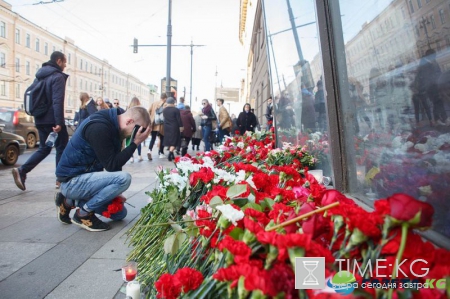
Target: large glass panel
296, 77
397, 79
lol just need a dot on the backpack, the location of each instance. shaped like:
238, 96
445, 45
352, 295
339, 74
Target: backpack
36, 102
159, 117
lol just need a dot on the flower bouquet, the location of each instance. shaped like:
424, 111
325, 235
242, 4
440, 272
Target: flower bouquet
230, 224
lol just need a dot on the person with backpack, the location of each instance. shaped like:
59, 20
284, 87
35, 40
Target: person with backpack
52, 120
155, 111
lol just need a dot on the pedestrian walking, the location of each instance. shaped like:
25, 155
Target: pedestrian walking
224, 122
87, 107
157, 128
207, 116
197, 136
246, 120
189, 129
173, 126
52, 121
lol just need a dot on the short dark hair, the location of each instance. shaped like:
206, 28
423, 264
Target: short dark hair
57, 55
221, 100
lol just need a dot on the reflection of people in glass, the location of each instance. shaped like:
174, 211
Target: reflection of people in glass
308, 110
269, 113
378, 94
399, 93
285, 113
428, 73
444, 86
320, 106
357, 98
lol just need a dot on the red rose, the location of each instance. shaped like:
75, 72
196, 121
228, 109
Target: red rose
405, 208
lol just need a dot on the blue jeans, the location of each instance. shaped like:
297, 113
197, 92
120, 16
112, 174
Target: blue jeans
222, 134
206, 132
96, 190
44, 151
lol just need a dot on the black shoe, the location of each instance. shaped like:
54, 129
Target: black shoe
89, 222
198, 148
19, 178
178, 152
193, 148
170, 157
62, 210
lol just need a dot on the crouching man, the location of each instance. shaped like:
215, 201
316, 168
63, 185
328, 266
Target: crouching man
95, 147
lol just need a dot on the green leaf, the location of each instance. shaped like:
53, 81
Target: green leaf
169, 244
172, 195
215, 201
181, 237
268, 202
169, 207
177, 228
253, 206
240, 202
295, 252
236, 190
236, 233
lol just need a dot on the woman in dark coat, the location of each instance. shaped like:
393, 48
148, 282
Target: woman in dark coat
173, 126
189, 128
246, 120
87, 107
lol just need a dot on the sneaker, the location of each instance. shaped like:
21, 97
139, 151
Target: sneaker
89, 222
149, 156
162, 156
131, 160
58, 184
19, 179
62, 210
140, 159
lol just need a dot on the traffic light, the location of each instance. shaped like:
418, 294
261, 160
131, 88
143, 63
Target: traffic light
135, 45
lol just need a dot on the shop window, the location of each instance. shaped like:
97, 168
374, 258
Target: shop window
397, 123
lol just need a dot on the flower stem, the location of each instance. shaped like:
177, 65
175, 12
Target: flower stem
405, 229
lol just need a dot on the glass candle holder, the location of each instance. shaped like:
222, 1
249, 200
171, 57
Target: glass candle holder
129, 271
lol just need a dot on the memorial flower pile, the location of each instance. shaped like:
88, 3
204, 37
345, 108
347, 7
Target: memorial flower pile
229, 224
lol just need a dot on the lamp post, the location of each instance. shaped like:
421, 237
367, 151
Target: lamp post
169, 47
423, 24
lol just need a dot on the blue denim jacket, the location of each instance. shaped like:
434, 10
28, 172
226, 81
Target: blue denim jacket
79, 157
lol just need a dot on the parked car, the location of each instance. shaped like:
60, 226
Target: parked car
18, 122
11, 146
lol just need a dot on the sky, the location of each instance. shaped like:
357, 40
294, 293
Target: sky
106, 29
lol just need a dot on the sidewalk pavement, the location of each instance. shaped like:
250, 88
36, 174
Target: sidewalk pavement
43, 258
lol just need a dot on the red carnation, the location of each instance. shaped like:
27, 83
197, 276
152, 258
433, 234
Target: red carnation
405, 208
168, 287
190, 279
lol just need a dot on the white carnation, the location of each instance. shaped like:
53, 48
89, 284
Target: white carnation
230, 213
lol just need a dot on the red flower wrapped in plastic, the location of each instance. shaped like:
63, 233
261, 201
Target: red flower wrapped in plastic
114, 207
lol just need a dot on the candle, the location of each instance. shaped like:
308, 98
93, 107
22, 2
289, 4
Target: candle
130, 274
129, 271
133, 290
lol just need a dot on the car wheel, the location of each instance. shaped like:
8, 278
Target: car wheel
11, 155
31, 140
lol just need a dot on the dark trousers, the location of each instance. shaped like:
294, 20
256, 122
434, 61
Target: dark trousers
161, 142
44, 151
222, 134
185, 146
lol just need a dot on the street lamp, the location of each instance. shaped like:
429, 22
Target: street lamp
423, 25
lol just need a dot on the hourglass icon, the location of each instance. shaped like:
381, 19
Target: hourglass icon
310, 279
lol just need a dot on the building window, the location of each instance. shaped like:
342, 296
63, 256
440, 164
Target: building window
28, 41
68, 81
81, 83
2, 29
2, 60
54, 49
46, 48
3, 88
27, 68
441, 16
17, 36
419, 3
37, 45
18, 90
433, 22
81, 64
18, 65
411, 6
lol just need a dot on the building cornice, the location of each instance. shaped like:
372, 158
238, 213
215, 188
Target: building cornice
242, 19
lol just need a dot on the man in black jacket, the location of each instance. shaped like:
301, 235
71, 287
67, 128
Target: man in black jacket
52, 121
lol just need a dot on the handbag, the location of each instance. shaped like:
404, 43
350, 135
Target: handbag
159, 117
213, 137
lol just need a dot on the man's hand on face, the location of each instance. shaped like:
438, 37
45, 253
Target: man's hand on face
141, 136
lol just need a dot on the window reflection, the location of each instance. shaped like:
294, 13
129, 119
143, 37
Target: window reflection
296, 76
398, 67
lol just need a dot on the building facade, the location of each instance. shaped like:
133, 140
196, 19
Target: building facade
365, 86
24, 46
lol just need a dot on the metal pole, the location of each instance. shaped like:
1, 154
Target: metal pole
169, 47
190, 88
274, 62
294, 31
